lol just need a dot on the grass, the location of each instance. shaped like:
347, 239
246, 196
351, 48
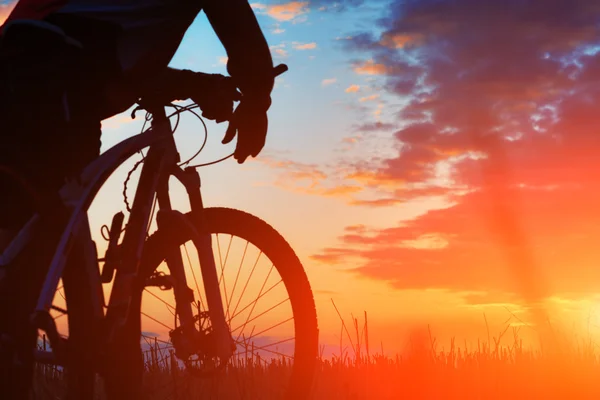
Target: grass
563, 368
489, 372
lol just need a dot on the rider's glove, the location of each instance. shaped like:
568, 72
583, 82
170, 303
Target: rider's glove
250, 123
214, 94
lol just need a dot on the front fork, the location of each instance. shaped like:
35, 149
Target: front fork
223, 343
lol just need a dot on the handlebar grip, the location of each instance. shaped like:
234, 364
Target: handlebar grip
280, 69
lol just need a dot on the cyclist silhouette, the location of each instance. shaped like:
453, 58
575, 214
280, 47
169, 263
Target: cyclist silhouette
65, 65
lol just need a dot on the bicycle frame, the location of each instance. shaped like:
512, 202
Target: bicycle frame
160, 163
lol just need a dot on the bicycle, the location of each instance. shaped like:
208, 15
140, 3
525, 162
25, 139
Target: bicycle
202, 339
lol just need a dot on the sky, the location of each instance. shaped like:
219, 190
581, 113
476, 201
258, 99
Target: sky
432, 162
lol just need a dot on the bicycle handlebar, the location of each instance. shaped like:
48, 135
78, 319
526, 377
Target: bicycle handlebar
280, 69
277, 70
156, 109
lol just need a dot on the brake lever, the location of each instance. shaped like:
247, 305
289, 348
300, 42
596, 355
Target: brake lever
148, 106
135, 110
280, 69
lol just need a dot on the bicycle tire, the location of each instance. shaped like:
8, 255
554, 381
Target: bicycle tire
277, 249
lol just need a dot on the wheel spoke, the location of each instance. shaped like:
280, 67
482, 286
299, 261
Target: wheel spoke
221, 280
59, 309
155, 320
259, 293
156, 339
223, 263
236, 279
252, 302
247, 280
59, 316
169, 305
261, 314
269, 328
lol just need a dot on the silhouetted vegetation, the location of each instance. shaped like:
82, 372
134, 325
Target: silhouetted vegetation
422, 371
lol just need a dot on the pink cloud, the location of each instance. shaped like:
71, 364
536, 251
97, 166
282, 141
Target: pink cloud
369, 67
305, 46
287, 11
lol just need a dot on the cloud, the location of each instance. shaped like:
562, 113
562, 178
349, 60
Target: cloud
277, 29
465, 247
379, 110
351, 139
223, 60
400, 40
287, 11
309, 179
279, 50
497, 114
375, 126
304, 46
486, 298
117, 121
479, 106
369, 67
369, 98
328, 81
352, 89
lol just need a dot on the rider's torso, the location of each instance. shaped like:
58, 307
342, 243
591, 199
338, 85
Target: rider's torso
151, 29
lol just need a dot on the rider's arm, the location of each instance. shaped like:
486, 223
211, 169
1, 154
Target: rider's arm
249, 57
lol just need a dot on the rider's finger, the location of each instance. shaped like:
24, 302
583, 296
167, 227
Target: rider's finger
260, 138
240, 156
231, 131
257, 145
241, 149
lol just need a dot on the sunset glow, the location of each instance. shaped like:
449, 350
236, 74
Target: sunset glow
433, 163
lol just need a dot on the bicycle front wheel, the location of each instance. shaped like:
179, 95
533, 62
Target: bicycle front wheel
267, 301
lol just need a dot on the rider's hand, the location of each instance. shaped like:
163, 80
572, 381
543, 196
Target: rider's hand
215, 94
250, 123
